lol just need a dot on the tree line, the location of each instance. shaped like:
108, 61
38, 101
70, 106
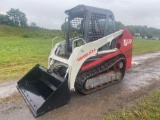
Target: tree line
15, 17
143, 30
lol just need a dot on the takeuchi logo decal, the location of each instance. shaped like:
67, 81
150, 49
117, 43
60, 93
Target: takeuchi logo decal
127, 41
86, 54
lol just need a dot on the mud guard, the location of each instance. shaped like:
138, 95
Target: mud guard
43, 91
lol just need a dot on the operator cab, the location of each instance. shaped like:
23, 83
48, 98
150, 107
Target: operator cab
86, 24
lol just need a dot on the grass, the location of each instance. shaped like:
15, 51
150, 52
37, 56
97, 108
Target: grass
145, 46
18, 55
21, 48
147, 108
14, 31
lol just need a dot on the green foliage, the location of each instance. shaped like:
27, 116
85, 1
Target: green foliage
22, 48
74, 31
64, 26
143, 30
33, 24
142, 46
148, 108
119, 25
19, 55
27, 32
4, 19
17, 17
14, 17
25, 36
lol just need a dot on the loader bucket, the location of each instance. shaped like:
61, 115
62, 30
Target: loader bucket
43, 91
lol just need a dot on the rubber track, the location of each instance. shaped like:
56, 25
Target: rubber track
82, 77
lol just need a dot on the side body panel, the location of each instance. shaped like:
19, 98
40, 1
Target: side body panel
126, 46
125, 43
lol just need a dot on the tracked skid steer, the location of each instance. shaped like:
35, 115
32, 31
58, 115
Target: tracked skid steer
93, 56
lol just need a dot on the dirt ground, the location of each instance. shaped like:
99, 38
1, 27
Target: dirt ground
142, 78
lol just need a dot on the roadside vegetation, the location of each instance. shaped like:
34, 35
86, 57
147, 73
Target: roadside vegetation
22, 48
28, 32
142, 46
19, 53
147, 108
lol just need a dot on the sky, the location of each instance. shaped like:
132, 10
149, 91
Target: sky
50, 13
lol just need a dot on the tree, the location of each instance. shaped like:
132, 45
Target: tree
33, 24
142, 30
23, 19
17, 17
119, 25
64, 26
4, 19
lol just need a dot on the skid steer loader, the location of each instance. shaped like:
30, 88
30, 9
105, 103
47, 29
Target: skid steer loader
93, 56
